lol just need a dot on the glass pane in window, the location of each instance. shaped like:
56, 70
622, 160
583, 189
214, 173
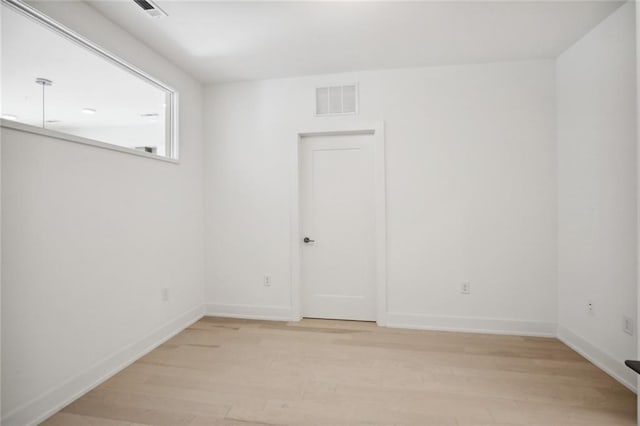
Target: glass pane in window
52, 81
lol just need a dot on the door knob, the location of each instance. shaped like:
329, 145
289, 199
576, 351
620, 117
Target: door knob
308, 240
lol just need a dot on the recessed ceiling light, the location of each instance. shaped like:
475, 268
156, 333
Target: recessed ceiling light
150, 117
89, 111
9, 117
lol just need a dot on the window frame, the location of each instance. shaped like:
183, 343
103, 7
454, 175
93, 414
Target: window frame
171, 118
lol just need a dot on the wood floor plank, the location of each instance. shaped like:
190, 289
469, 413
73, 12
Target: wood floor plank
70, 419
234, 372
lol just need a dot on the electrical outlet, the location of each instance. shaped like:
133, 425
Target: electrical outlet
165, 294
627, 325
465, 288
266, 280
590, 307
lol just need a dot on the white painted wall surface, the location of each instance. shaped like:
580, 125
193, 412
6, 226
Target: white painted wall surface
471, 192
597, 169
90, 238
638, 175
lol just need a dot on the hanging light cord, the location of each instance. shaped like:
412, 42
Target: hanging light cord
43, 82
43, 106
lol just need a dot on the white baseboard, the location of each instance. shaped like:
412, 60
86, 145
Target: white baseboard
601, 359
47, 404
271, 313
471, 325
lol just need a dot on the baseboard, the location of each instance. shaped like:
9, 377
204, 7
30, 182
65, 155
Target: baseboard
601, 359
258, 312
47, 404
471, 325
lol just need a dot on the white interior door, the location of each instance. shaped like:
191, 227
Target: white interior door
338, 219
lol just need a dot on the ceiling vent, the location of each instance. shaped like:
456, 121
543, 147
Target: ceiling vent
151, 8
335, 100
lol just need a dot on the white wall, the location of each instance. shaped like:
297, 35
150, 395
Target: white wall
90, 238
471, 192
597, 169
638, 173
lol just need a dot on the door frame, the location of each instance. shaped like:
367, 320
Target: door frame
376, 131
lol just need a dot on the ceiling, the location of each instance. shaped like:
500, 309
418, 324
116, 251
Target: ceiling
239, 40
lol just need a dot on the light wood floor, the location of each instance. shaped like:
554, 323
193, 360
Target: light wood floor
320, 372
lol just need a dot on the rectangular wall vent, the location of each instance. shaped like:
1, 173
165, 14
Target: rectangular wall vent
151, 8
332, 100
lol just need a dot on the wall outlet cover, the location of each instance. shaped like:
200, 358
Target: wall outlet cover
627, 325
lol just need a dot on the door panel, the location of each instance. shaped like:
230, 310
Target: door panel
337, 212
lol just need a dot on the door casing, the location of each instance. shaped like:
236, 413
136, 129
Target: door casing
376, 131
